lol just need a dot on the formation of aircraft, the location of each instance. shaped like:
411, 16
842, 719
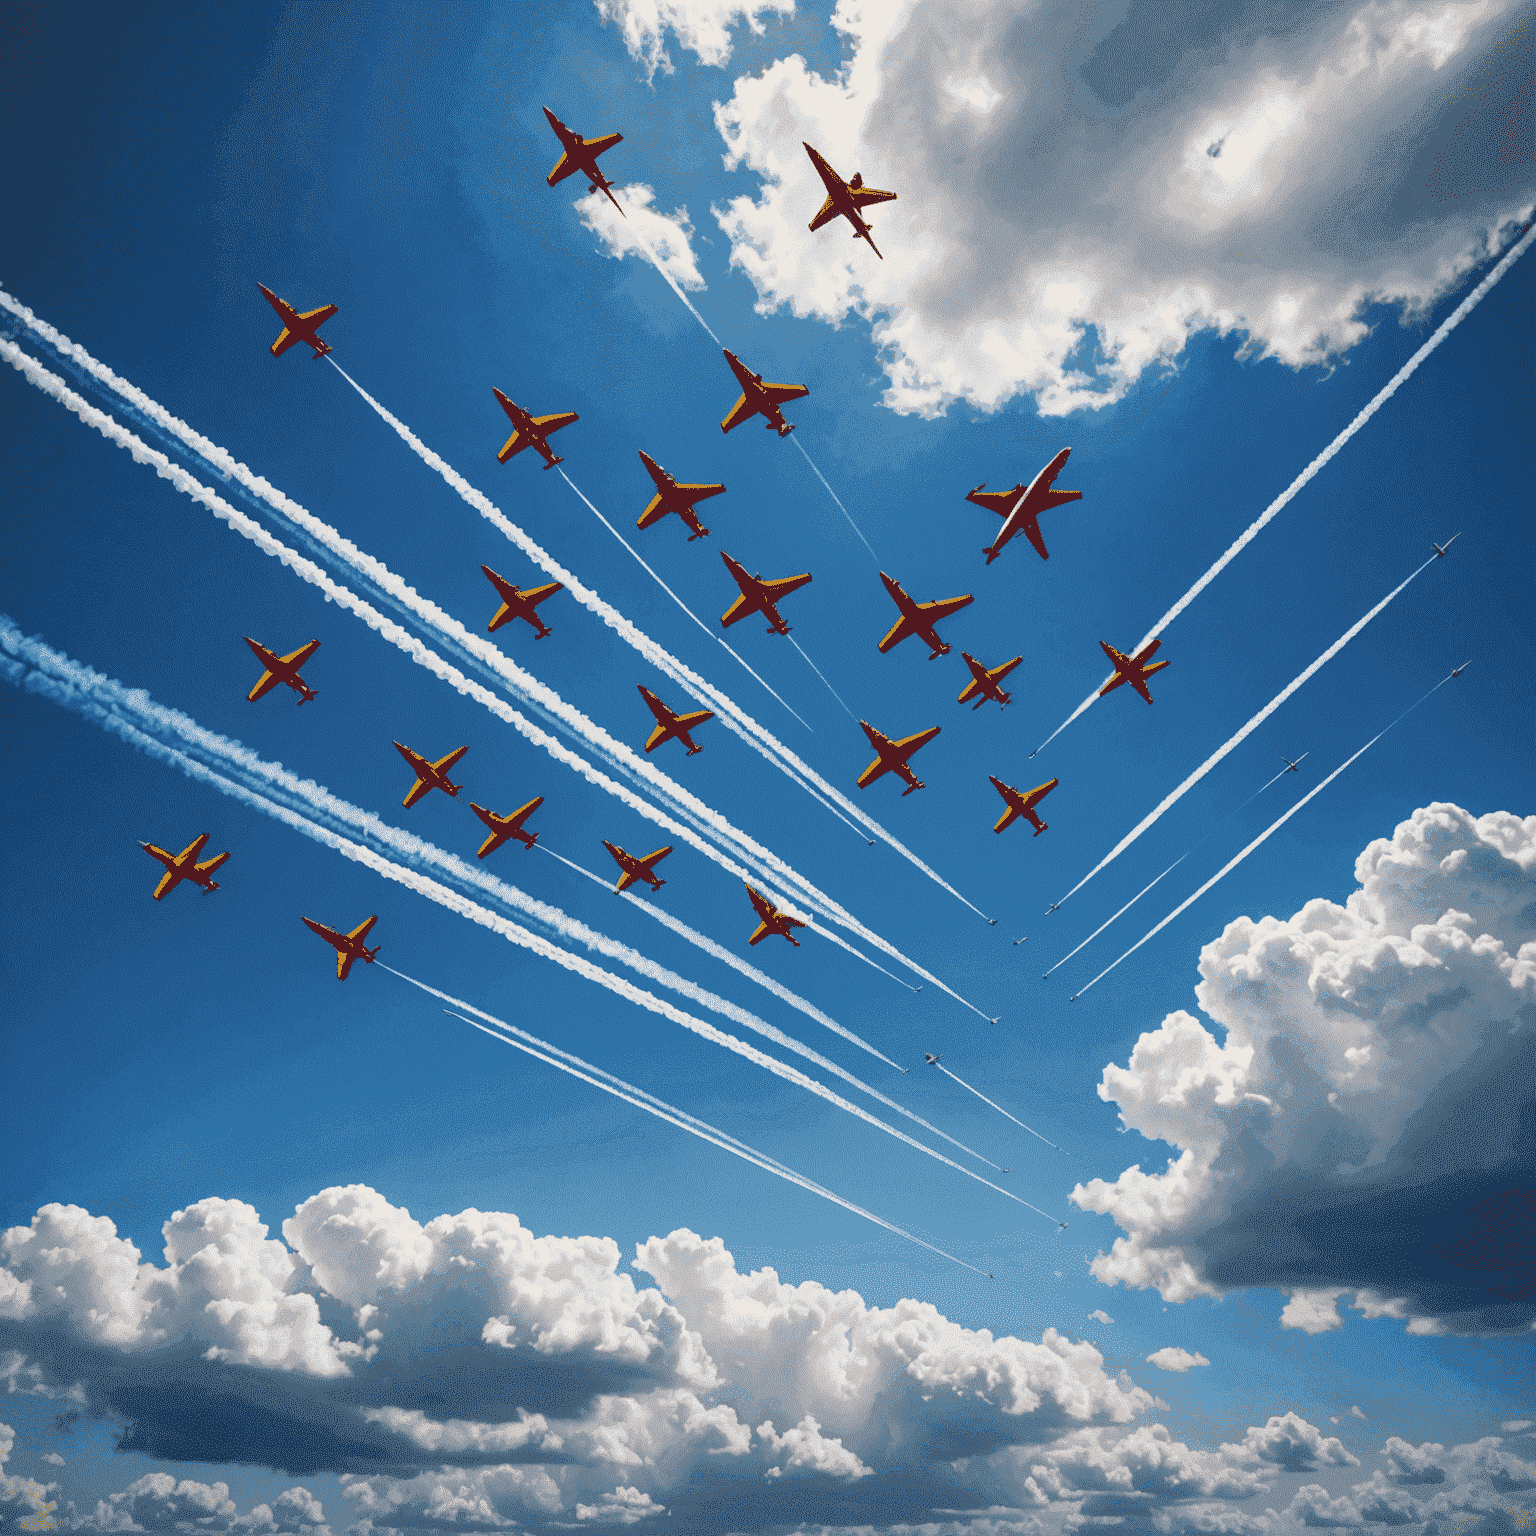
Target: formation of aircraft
281, 669
669, 725
1134, 670
1021, 803
986, 683
430, 776
771, 921
1440, 549
1295, 767
517, 603
759, 399
184, 866
674, 496
297, 327
504, 827
845, 199
895, 757
348, 946
759, 596
920, 618
531, 431
632, 869
579, 154
1020, 509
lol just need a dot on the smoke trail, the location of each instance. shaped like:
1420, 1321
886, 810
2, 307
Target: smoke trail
725, 707
833, 494
1148, 886
830, 689
1398, 379
668, 590
1227, 746
1263, 836
998, 1107
454, 901
423, 655
553, 1056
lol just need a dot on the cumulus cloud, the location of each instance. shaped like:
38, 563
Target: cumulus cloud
701, 26
1101, 1316
53, 1459
1081, 188
1365, 1126
1356, 1412
1175, 1359
1517, 1426
24, 1499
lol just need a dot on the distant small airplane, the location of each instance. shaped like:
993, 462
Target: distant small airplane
281, 669
519, 603
581, 155
760, 399
1295, 767
184, 866
1440, 549
894, 756
503, 827
771, 920
920, 618
1021, 508
531, 431
845, 198
1462, 668
1132, 669
348, 946
759, 596
983, 685
430, 776
669, 725
297, 327
1052, 908
1021, 803
932, 1060
633, 869
674, 496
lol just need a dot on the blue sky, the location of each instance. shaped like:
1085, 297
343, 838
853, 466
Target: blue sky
391, 161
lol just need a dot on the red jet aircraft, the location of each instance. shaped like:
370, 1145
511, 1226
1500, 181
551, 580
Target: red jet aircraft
348, 946
771, 920
673, 496
637, 869
581, 155
760, 399
759, 596
1132, 669
920, 618
184, 866
519, 603
531, 431
503, 827
893, 756
430, 776
281, 669
1021, 803
985, 683
669, 725
1021, 508
845, 198
297, 327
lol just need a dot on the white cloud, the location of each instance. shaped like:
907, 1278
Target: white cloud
701, 26
644, 230
1356, 1412
53, 1459
1081, 188
1288, 1441
1101, 1316
1392, 1038
624, 1506
1517, 1426
1175, 1359
806, 1449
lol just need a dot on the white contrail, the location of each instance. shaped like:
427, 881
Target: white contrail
724, 706
564, 1061
770, 870
157, 418
830, 689
454, 901
1148, 886
139, 710
998, 1107
1253, 724
668, 590
833, 494
1272, 828
1399, 378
